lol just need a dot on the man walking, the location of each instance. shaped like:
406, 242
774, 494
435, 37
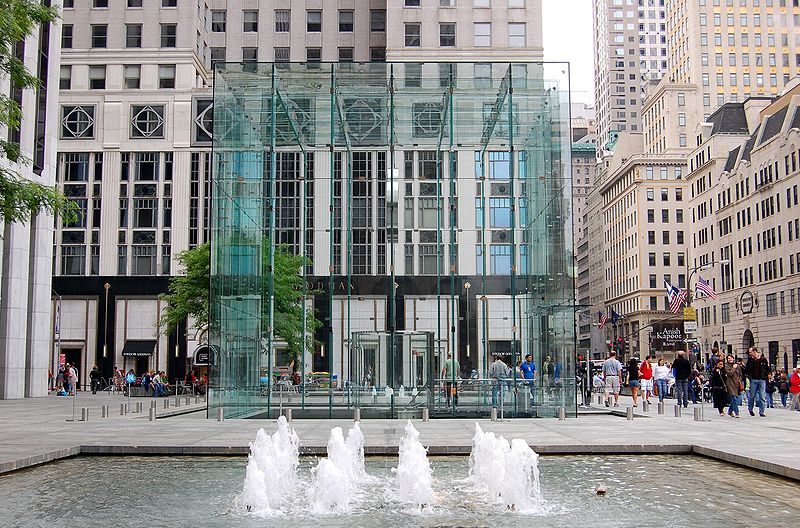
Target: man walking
528, 370
757, 369
498, 371
612, 370
683, 370
449, 373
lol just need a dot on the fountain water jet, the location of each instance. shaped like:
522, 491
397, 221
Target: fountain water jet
335, 480
413, 470
271, 476
509, 472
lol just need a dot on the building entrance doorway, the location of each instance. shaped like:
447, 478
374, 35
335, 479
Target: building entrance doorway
73, 356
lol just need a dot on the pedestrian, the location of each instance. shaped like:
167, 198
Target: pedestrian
646, 379
683, 369
633, 380
757, 370
72, 374
772, 388
528, 371
783, 388
719, 394
498, 371
661, 377
449, 373
60, 383
612, 369
733, 385
94, 379
794, 389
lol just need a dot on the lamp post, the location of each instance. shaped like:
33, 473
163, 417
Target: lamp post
107, 286
467, 286
57, 335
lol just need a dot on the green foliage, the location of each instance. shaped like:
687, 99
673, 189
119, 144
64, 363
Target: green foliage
189, 296
20, 198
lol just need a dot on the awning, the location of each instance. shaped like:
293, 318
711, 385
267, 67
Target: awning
139, 348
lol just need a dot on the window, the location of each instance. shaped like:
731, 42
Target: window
314, 21
65, 78
447, 35
313, 54
250, 21
377, 54
651, 216
483, 34
99, 3
345, 54
772, 304
412, 3
97, 77
283, 20
145, 212
133, 35
77, 122
665, 237
169, 3
281, 54
73, 260
666, 259
681, 119
249, 59
147, 121
412, 35
516, 34
131, 3
665, 216
346, 21
219, 20
377, 20
99, 35
217, 56
66, 36
131, 75
725, 311
143, 261
681, 99
168, 35
500, 213
68, 4
651, 237
500, 259
166, 76
650, 194
428, 259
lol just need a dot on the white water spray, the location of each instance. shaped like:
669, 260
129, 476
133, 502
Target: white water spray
508, 472
335, 480
413, 471
271, 477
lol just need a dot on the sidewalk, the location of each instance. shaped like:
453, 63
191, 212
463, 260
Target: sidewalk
36, 431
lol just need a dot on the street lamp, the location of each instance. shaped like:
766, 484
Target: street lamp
467, 286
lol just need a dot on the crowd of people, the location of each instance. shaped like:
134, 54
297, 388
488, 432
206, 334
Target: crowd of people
728, 382
154, 383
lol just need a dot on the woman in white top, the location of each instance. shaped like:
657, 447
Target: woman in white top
661, 377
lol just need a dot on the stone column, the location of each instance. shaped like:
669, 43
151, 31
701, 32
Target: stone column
14, 309
39, 305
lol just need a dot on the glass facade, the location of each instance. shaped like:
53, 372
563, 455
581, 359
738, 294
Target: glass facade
431, 208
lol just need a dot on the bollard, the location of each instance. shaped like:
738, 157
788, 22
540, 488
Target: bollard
599, 400
645, 406
188, 400
698, 417
139, 407
104, 411
153, 404
84, 414
152, 414
661, 407
196, 400
177, 402
677, 411
426, 414
287, 413
122, 409
220, 414
562, 413
494, 414
629, 413
166, 403
357, 414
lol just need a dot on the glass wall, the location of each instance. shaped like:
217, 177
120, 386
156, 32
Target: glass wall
428, 210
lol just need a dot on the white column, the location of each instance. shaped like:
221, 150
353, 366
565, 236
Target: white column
14, 310
38, 349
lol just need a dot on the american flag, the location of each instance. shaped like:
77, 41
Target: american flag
702, 286
677, 297
602, 319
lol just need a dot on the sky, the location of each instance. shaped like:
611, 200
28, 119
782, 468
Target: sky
567, 32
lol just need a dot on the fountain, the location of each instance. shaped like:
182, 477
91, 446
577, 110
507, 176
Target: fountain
271, 475
413, 472
335, 480
507, 472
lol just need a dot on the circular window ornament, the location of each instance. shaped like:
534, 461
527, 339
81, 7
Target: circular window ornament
78, 122
147, 121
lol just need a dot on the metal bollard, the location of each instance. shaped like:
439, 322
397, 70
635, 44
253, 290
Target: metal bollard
357, 414
220, 414
629, 413
166, 403
139, 407
153, 404
104, 411
177, 402
698, 417
661, 407
122, 409
287, 413
152, 414
196, 400
84, 414
645, 406
426, 414
188, 400
677, 411
494, 414
599, 400
562, 413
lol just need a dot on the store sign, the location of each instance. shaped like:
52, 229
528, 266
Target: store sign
689, 326
746, 302
202, 355
666, 336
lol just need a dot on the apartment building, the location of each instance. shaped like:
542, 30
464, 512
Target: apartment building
630, 49
136, 124
744, 176
25, 248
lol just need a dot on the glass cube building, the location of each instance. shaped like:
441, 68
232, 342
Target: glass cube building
430, 204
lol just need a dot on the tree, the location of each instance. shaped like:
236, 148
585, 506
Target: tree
21, 198
189, 296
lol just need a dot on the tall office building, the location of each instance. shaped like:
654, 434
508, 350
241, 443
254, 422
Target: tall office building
630, 53
732, 49
135, 153
25, 248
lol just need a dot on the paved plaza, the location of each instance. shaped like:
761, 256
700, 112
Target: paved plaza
35, 431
